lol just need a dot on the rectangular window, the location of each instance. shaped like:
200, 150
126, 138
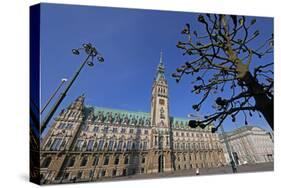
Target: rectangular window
123, 130
129, 145
110, 146
56, 144
114, 172
61, 125
90, 145
131, 131
96, 129
105, 130
69, 126
139, 131
85, 128
114, 130
106, 160
144, 145
120, 145
100, 146
146, 132
79, 144
79, 175
96, 160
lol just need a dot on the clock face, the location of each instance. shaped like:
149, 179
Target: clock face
162, 101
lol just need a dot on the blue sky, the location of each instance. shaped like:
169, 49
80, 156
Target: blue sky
130, 41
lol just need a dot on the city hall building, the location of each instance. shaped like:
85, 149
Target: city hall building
89, 143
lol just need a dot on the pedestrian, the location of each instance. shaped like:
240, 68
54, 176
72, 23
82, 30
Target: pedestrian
197, 171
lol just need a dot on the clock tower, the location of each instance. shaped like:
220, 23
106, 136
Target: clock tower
160, 145
159, 100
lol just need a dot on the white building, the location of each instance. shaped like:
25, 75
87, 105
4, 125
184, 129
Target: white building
249, 144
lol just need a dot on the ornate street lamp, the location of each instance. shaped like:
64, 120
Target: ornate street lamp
91, 54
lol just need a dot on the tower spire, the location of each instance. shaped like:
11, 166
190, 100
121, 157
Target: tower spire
161, 58
161, 67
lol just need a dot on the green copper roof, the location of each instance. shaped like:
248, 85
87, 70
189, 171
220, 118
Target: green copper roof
125, 112
101, 114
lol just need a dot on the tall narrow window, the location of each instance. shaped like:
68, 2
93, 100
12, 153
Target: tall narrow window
120, 145
123, 130
143, 160
129, 145
105, 130
79, 175
90, 145
96, 129
46, 162
144, 145
71, 162
56, 144
84, 161
114, 172
79, 144
100, 146
106, 160
96, 160
110, 145
126, 160
116, 161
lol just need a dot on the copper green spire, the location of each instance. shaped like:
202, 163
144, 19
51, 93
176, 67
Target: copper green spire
160, 68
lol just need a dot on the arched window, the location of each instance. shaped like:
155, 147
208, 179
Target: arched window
84, 161
71, 162
46, 162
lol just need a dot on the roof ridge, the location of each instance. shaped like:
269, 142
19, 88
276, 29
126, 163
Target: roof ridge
115, 109
131, 111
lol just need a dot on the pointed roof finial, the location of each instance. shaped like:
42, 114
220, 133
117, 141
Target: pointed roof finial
160, 68
161, 57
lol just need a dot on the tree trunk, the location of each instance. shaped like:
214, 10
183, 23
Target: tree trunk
264, 104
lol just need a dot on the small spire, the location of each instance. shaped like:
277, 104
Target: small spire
161, 57
160, 68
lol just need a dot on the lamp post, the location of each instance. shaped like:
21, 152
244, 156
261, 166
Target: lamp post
54, 94
233, 166
91, 54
